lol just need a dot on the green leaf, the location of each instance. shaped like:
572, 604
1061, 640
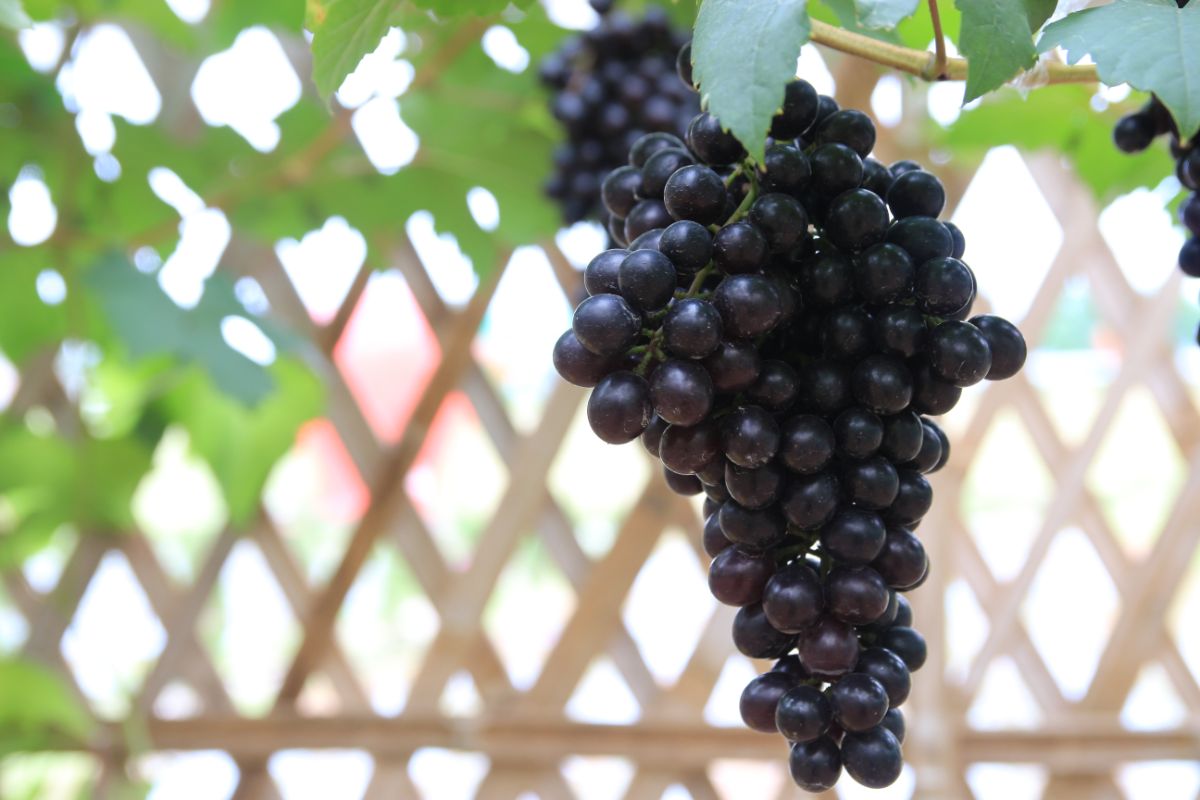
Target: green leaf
242, 444
12, 15
745, 52
450, 9
149, 322
885, 14
37, 708
1038, 11
1152, 45
350, 30
843, 14
997, 41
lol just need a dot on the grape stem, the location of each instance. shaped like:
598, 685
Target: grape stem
939, 63
924, 64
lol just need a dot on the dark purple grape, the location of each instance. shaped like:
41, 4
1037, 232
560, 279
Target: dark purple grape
711, 142
737, 576
688, 244
734, 366
688, 449
781, 219
749, 305
906, 643
826, 280
756, 529
902, 437
578, 365
649, 144
739, 248
886, 667
760, 699
930, 394
695, 193
1006, 344
883, 384
859, 433
646, 216
856, 220
828, 648
959, 353
836, 168
653, 435
661, 166
853, 536
714, 540
914, 497
815, 766
894, 722
856, 595
798, 111
792, 598
849, 127
943, 286
883, 273
873, 758
777, 386
606, 324
681, 392
900, 330
902, 561
692, 329
619, 407
808, 501
753, 635
916, 193
785, 169
807, 444
686, 485
1133, 133
858, 701
803, 714
754, 488
646, 279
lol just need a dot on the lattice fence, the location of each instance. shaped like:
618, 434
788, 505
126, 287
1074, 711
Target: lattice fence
1069, 564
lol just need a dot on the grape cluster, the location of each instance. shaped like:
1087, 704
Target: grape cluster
1137, 131
611, 85
778, 337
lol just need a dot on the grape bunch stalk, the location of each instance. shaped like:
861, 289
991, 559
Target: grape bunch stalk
611, 85
778, 336
1136, 132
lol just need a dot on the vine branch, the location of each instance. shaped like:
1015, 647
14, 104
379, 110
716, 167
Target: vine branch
939, 39
922, 63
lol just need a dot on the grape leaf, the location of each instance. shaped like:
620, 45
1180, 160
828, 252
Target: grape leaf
1038, 11
12, 15
843, 14
1152, 45
350, 29
150, 323
37, 708
449, 9
885, 14
997, 41
744, 52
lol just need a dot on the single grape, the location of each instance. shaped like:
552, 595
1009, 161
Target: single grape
930, 394
943, 286
756, 529
661, 166
836, 168
714, 540
749, 305
809, 501
900, 330
828, 648
737, 576
906, 643
649, 144
688, 449
734, 366
815, 766
753, 635
870, 482
619, 190
827, 279
873, 758
647, 241
923, 238
776, 387
606, 324
1189, 258
859, 433
695, 193
904, 612
799, 110
807, 444
781, 219
902, 561
681, 392
883, 273
959, 353
792, 598
754, 488
1006, 344
760, 699
646, 216
785, 169
849, 127
846, 333
856, 595
711, 142
883, 384
646, 279
894, 722
1134, 132
653, 434
692, 329
856, 220
876, 177
902, 437
853, 535
886, 667
914, 497
740, 247
686, 485
916, 193
803, 714
826, 387
688, 244
930, 453
683, 65
858, 701
578, 365
618, 409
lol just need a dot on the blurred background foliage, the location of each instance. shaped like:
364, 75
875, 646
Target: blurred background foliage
143, 356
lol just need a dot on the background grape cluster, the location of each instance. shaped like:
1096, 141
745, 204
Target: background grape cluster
779, 336
1137, 131
611, 84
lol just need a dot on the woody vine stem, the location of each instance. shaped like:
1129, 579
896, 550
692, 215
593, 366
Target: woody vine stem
923, 64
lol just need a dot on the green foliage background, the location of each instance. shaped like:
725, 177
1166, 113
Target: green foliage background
158, 367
